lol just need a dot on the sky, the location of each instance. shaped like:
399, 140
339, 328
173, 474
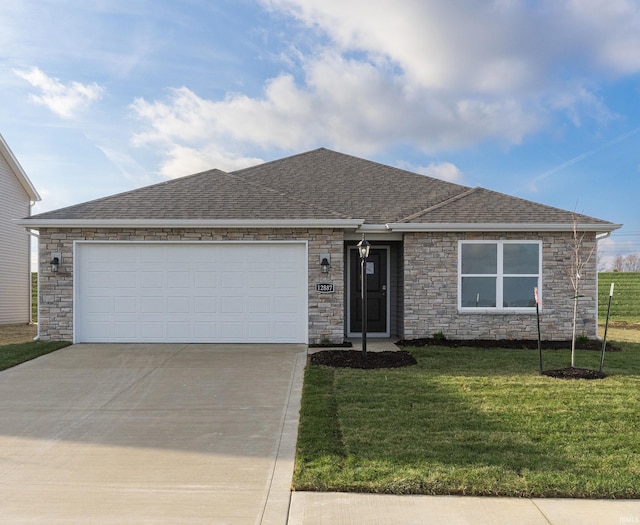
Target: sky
535, 99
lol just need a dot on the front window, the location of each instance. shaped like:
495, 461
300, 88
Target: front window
498, 275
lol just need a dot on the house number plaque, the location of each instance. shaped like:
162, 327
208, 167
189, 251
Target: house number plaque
324, 287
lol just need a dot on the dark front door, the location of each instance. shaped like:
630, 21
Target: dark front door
376, 291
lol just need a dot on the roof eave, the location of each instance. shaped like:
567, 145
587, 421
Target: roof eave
189, 223
501, 227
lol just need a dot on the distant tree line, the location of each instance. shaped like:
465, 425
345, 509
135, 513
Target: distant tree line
626, 263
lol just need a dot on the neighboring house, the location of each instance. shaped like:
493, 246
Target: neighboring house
236, 257
17, 195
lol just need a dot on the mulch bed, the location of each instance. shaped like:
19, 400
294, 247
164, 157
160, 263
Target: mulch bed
525, 344
355, 359
574, 373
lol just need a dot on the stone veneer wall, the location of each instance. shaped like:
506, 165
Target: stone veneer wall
326, 311
431, 290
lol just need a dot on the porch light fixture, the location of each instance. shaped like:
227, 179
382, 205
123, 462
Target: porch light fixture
55, 262
325, 263
363, 248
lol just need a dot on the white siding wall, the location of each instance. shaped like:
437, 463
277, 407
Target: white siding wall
15, 283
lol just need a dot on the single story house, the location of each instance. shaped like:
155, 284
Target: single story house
17, 196
268, 254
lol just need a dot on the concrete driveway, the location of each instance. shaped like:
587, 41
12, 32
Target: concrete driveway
163, 433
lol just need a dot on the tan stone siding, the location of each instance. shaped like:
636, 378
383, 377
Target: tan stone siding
431, 290
326, 311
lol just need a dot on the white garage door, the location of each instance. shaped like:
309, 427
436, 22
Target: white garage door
190, 292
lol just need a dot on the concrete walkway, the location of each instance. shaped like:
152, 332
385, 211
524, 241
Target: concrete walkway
315, 508
150, 434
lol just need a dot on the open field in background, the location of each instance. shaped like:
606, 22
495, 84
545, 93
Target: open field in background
625, 305
621, 331
624, 322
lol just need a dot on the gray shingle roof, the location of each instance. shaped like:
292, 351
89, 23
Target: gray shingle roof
209, 195
316, 185
481, 206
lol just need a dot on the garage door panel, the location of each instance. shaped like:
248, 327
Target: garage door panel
178, 279
124, 305
191, 292
178, 330
286, 305
124, 330
205, 305
259, 305
232, 305
206, 331
151, 305
232, 279
285, 280
179, 305
100, 329
206, 279
284, 330
206, 255
231, 330
151, 279
260, 330
125, 279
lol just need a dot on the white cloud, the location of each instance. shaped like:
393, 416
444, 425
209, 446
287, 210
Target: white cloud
435, 76
441, 170
183, 160
346, 104
439, 45
63, 99
487, 47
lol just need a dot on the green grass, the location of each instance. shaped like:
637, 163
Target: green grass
625, 304
14, 354
471, 421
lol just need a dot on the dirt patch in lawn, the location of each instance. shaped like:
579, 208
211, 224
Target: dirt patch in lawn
17, 333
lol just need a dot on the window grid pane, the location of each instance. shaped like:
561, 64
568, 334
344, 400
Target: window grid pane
520, 259
479, 292
480, 259
518, 292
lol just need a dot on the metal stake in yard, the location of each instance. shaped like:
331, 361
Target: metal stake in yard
606, 327
363, 248
537, 298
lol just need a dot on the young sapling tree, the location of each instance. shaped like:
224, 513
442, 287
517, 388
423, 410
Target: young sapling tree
580, 258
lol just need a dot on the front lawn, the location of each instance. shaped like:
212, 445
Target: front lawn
474, 422
14, 354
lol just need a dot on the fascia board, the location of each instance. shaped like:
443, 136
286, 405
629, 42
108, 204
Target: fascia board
188, 223
500, 227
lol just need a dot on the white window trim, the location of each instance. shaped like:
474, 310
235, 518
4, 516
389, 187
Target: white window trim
499, 278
